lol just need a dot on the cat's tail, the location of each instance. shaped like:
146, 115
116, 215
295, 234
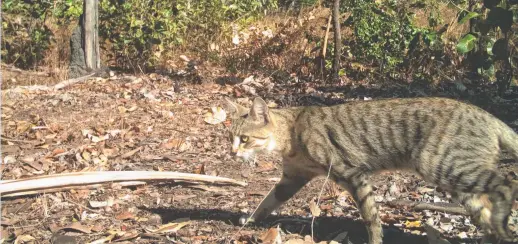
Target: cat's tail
508, 139
507, 192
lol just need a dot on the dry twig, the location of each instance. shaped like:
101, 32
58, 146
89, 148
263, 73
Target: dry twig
450, 208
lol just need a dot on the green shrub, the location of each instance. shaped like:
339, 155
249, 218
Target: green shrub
135, 34
491, 39
382, 32
140, 33
26, 35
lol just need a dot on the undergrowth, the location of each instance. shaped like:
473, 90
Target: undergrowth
388, 39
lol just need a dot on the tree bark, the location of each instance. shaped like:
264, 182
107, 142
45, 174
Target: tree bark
90, 38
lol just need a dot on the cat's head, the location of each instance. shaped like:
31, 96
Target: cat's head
251, 129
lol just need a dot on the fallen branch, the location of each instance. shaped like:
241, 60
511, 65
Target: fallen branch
69, 82
450, 208
87, 178
58, 86
65, 188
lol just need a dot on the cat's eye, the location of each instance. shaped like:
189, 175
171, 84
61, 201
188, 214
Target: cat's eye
244, 138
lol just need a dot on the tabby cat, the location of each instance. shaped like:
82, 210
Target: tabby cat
449, 143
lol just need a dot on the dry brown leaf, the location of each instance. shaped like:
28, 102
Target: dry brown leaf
11, 221
413, 224
122, 109
184, 58
265, 166
51, 136
314, 208
38, 135
133, 108
104, 240
389, 219
295, 241
101, 204
78, 227
88, 134
24, 239
128, 236
131, 153
200, 169
22, 126
43, 146
199, 238
4, 234
308, 238
32, 163
99, 130
27, 159
216, 116
208, 188
173, 143
125, 215
172, 227
110, 152
257, 193
54, 228
86, 156
57, 151
98, 227
272, 236
434, 236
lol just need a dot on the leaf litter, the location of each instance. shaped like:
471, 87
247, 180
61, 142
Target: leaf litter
124, 123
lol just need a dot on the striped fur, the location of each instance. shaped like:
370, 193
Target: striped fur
449, 143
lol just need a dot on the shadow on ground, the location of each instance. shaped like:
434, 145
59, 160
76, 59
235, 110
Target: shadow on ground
325, 228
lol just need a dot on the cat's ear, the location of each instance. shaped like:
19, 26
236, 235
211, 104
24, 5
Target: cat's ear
235, 110
259, 111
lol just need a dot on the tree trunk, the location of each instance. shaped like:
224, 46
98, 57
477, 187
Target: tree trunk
90, 35
337, 39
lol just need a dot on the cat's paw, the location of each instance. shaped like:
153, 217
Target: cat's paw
245, 219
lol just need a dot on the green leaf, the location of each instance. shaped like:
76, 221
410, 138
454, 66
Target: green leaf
489, 47
500, 17
430, 38
488, 63
468, 16
484, 27
500, 49
467, 43
491, 3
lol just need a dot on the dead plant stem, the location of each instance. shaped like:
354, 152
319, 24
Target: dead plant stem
319, 198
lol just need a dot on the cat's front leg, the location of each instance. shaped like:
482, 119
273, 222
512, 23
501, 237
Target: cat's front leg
290, 183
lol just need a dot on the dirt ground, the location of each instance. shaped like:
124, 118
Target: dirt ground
157, 123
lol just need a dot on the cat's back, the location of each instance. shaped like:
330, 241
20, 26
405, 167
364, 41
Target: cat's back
393, 108
424, 104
